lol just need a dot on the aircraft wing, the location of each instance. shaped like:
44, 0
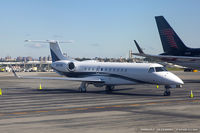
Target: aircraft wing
168, 58
84, 79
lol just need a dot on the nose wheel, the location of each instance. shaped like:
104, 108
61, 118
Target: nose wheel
109, 88
167, 91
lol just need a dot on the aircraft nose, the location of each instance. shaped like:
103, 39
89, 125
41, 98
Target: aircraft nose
176, 79
179, 81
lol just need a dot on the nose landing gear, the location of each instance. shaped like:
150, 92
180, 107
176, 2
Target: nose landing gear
167, 91
109, 88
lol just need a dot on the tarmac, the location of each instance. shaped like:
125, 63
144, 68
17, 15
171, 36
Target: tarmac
59, 107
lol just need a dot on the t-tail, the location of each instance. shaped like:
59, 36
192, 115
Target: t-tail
55, 50
56, 53
172, 44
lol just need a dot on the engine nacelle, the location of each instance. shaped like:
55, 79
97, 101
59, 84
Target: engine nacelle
71, 66
64, 66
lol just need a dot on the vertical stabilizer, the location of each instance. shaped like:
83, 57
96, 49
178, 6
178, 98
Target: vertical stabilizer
56, 52
138, 47
170, 40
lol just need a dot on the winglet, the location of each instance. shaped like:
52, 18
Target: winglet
138, 47
13, 71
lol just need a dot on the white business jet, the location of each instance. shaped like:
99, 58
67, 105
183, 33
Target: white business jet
108, 74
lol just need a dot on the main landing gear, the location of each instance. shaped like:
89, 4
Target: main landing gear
109, 88
83, 87
167, 91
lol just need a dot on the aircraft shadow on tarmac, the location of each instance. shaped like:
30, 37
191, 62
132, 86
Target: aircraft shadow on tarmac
114, 92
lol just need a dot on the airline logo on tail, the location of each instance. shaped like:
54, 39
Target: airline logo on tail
169, 34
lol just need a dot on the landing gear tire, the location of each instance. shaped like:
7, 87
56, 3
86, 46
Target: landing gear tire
167, 91
83, 87
82, 90
109, 88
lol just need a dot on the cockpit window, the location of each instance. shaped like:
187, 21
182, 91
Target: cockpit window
151, 69
160, 69
164, 68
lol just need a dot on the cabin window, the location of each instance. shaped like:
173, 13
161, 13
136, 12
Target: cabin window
110, 69
125, 70
113, 69
101, 69
151, 69
105, 69
121, 70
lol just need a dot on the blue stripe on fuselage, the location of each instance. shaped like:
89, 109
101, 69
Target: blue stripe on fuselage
86, 74
54, 56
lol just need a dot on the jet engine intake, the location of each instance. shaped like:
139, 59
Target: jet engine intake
71, 66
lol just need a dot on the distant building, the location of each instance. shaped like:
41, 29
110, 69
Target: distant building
130, 54
49, 58
44, 58
29, 58
8, 58
40, 58
19, 58
65, 54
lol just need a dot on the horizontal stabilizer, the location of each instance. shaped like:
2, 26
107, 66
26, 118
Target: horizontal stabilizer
55, 50
49, 41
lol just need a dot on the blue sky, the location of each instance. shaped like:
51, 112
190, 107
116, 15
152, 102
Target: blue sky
99, 28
